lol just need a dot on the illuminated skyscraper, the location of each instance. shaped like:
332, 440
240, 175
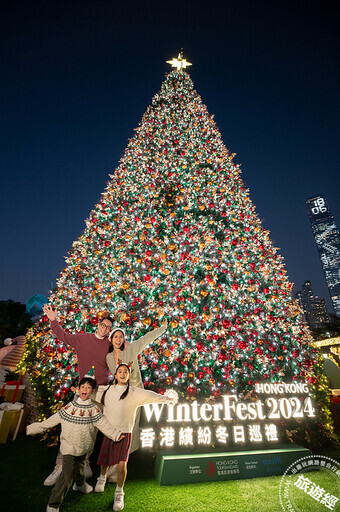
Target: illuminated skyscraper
327, 239
314, 309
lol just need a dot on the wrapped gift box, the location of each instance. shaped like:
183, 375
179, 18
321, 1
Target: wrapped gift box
12, 421
12, 391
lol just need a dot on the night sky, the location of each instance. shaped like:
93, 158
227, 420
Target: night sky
77, 76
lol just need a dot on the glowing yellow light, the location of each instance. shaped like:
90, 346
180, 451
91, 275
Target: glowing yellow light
179, 63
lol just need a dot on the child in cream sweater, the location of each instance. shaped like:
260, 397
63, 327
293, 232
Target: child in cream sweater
79, 421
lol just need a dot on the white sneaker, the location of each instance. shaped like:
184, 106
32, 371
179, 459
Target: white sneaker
112, 473
85, 488
87, 470
51, 509
53, 477
119, 500
100, 485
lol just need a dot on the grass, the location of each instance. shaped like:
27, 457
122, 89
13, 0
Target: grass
26, 462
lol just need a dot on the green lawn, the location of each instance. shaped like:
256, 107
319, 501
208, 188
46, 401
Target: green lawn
26, 462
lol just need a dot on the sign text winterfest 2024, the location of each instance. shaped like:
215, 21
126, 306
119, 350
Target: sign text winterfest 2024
230, 420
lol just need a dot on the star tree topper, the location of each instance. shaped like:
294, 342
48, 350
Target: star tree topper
179, 63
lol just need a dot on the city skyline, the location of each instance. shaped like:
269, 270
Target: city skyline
313, 307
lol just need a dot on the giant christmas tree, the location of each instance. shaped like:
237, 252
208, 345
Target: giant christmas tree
175, 234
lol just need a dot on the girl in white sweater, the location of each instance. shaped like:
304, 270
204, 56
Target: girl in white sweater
122, 352
120, 404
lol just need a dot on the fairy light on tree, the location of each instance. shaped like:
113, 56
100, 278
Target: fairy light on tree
175, 234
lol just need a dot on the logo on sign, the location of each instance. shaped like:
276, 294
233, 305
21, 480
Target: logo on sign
211, 469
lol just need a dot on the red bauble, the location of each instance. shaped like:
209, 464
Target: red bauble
94, 320
191, 390
222, 356
217, 393
200, 346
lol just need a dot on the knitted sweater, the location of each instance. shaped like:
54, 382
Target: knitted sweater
121, 413
90, 350
79, 423
130, 353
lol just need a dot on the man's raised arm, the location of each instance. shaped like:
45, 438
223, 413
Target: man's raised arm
65, 337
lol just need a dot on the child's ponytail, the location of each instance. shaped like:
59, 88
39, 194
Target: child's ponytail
125, 394
104, 394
